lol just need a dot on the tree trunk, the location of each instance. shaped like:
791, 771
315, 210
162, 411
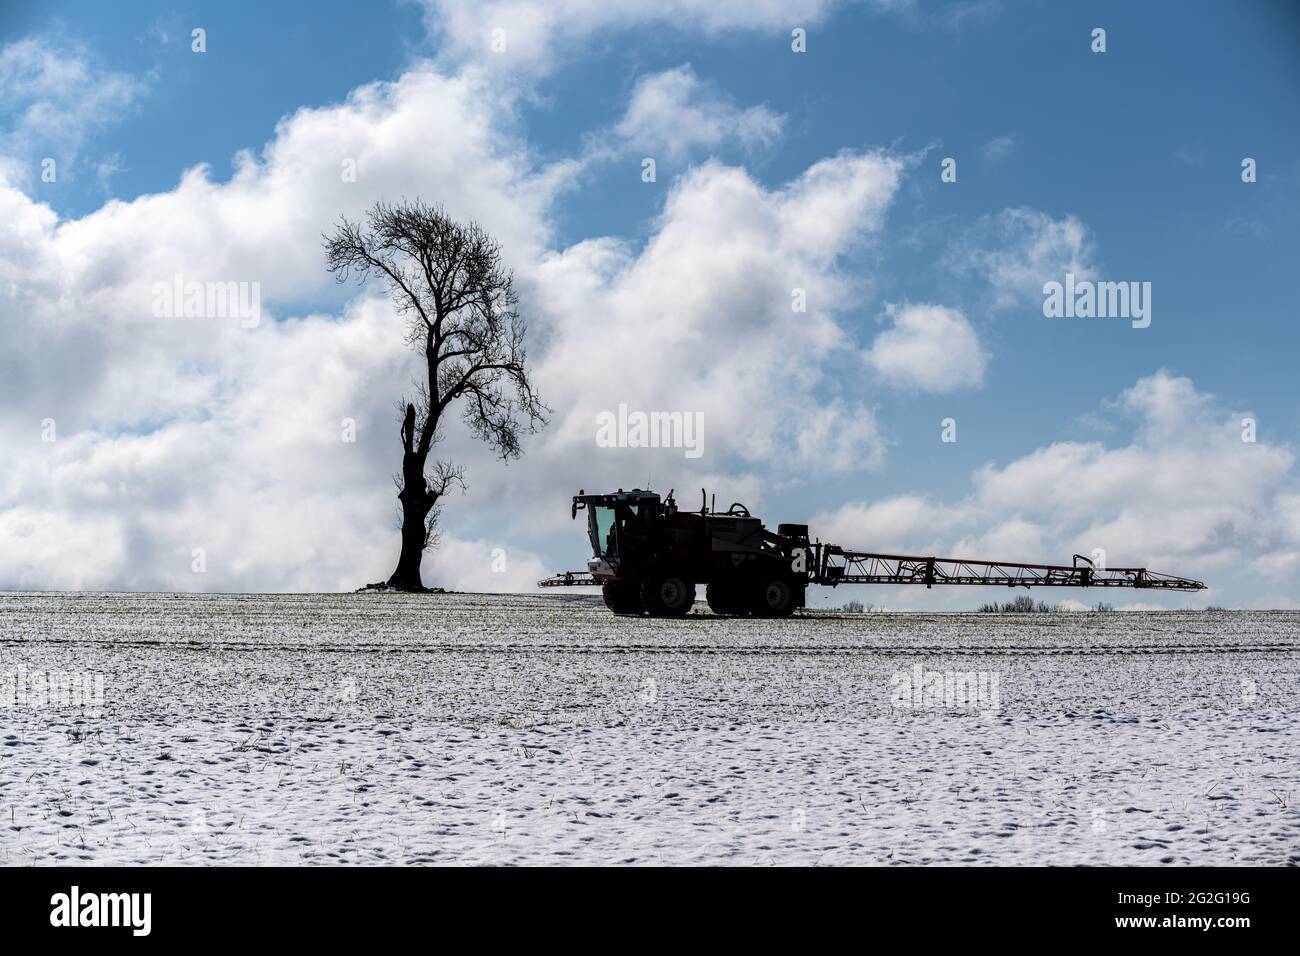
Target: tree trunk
407, 574
416, 504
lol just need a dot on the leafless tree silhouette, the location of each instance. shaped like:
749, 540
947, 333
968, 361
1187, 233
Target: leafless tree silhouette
448, 279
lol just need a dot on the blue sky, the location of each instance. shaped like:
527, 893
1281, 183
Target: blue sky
1133, 154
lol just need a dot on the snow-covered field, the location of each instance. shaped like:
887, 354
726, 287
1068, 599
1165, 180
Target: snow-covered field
374, 728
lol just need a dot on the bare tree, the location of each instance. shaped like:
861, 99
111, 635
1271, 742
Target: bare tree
449, 280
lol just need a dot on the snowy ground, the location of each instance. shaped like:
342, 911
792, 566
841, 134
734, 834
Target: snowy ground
376, 728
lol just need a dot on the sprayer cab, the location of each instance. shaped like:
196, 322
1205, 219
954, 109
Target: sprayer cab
619, 523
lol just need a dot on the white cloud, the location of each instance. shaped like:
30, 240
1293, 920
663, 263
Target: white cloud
1185, 496
1020, 249
841, 438
929, 347
903, 524
56, 97
700, 320
999, 148
957, 14
672, 113
484, 566
175, 435
183, 434
535, 33
538, 32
